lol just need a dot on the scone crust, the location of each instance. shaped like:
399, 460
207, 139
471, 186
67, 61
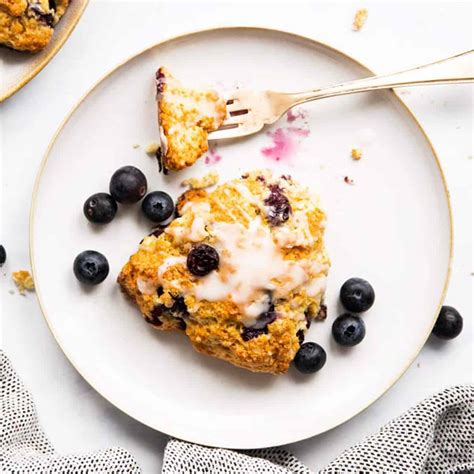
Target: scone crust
216, 327
28, 25
13, 7
184, 120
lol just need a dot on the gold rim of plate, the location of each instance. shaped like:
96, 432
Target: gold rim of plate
64, 29
314, 43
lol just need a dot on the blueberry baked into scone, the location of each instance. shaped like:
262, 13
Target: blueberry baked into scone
241, 271
185, 117
28, 25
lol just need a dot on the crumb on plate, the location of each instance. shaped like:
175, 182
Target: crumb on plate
23, 280
210, 179
356, 154
136, 146
359, 19
152, 148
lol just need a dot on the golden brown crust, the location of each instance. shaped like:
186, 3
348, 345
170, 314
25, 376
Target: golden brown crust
13, 7
157, 279
189, 195
28, 26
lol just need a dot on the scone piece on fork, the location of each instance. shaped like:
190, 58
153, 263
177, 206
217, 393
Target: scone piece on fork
185, 117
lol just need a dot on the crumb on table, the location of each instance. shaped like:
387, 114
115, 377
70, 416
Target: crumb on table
348, 180
356, 154
152, 148
205, 181
23, 280
359, 19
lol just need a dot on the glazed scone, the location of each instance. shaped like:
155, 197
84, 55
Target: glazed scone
185, 117
27, 25
269, 275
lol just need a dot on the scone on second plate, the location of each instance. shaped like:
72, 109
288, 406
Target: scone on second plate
242, 271
28, 25
185, 117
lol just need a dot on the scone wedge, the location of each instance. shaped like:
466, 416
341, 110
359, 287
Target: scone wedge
185, 117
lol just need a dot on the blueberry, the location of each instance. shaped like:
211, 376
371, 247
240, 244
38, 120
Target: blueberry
100, 208
202, 259
157, 231
449, 323
252, 333
265, 319
158, 206
3, 255
91, 267
179, 307
322, 313
47, 18
261, 325
348, 329
182, 324
154, 317
279, 208
357, 295
310, 358
128, 185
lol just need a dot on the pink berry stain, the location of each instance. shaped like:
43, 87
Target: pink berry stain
293, 115
212, 157
298, 131
285, 144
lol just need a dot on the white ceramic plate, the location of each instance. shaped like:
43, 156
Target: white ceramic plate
392, 226
18, 68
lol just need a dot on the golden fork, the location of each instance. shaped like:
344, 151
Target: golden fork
248, 111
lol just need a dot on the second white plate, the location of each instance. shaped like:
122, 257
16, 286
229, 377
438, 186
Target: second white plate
392, 226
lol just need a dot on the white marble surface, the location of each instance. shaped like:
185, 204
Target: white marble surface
399, 35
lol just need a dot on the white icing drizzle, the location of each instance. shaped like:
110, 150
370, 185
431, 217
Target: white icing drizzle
259, 306
250, 266
295, 233
145, 286
315, 287
170, 262
195, 101
245, 192
197, 231
163, 141
251, 262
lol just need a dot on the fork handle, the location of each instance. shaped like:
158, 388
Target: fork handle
456, 69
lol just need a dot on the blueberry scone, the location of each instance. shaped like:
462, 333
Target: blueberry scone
185, 117
241, 271
27, 25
